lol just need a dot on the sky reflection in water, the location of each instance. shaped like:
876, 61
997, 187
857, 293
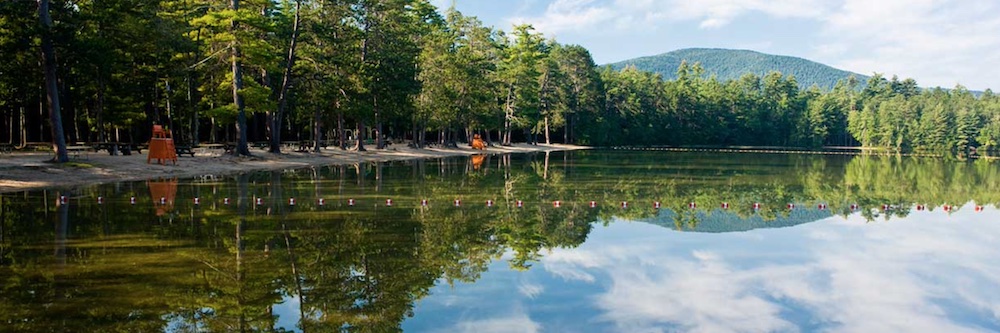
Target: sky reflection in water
928, 272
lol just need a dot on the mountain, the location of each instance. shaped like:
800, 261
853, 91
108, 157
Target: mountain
719, 221
731, 64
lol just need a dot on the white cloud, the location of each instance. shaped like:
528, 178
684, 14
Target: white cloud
937, 42
592, 15
518, 321
849, 275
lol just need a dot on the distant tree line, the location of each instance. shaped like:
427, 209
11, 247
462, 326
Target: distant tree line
344, 72
891, 114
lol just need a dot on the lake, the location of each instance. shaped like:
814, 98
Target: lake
582, 241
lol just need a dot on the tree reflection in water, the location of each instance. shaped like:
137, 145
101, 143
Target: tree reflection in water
118, 267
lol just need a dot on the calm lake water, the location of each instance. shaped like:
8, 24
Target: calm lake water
739, 243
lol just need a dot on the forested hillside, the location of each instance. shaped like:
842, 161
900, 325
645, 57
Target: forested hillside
349, 73
732, 64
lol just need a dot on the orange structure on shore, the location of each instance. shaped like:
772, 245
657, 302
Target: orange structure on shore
161, 146
478, 143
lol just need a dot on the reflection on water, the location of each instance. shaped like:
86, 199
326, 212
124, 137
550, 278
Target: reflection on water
244, 258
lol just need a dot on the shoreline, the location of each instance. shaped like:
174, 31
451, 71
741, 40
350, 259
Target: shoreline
21, 172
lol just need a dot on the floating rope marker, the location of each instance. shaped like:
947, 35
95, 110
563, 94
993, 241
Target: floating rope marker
458, 203
291, 201
321, 201
979, 209
920, 208
489, 203
725, 205
423, 202
100, 200
520, 204
947, 208
388, 202
131, 200
593, 204
197, 201
556, 204
225, 201
350, 202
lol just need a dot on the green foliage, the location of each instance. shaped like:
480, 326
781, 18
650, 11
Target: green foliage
405, 68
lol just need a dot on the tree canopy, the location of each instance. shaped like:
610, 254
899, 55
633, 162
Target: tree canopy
349, 72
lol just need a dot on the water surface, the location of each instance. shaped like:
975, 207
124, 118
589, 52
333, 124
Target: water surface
741, 242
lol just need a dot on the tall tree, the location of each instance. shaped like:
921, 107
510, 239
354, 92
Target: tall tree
48, 56
276, 118
241, 116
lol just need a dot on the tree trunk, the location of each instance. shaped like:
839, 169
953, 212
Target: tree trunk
285, 82
51, 87
317, 130
547, 139
241, 115
378, 126
101, 87
340, 130
508, 116
360, 136
24, 130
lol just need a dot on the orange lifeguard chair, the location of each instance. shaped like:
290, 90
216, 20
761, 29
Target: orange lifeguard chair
478, 143
161, 146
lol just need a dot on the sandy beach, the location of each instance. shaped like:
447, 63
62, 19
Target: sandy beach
27, 171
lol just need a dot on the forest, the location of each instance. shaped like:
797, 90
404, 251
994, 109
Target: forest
351, 73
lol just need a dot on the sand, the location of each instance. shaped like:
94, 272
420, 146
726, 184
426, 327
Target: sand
27, 171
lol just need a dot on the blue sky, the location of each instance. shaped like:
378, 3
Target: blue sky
936, 42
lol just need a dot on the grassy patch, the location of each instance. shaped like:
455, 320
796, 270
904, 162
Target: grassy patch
79, 165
